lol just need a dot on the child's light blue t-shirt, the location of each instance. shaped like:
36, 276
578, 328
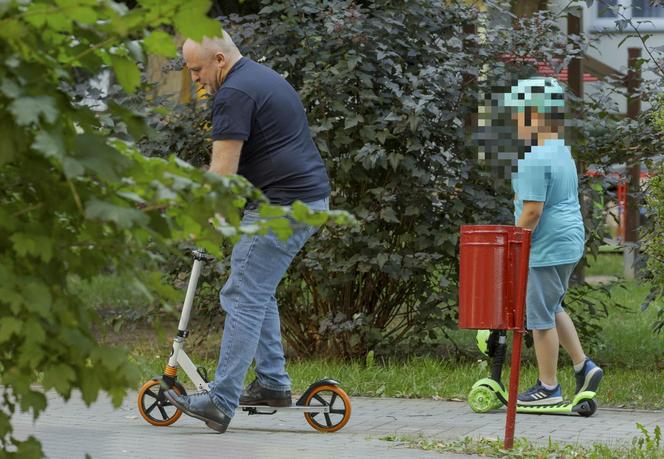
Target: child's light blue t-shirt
548, 174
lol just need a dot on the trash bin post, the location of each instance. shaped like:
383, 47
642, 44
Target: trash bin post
510, 421
522, 253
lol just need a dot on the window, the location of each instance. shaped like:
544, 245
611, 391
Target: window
647, 17
643, 9
604, 8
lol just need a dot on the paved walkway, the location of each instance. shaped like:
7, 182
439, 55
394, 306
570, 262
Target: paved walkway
69, 431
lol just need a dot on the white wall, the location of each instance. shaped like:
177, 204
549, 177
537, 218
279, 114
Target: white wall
606, 44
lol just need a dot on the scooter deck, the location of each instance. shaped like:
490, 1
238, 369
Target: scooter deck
265, 409
583, 403
565, 407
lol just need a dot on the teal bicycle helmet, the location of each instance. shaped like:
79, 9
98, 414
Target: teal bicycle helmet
542, 93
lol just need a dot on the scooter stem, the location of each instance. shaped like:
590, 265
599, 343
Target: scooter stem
189, 297
498, 358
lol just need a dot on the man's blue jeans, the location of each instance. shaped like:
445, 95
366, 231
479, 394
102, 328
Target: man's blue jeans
252, 328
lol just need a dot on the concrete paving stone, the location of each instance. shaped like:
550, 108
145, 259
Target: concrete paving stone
70, 430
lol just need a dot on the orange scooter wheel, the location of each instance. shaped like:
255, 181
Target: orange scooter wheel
338, 402
153, 405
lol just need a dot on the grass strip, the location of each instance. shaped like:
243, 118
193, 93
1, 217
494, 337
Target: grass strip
647, 446
439, 379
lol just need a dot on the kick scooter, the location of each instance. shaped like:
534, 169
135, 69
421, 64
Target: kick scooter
489, 393
325, 406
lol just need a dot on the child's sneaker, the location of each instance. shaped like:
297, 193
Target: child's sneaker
589, 377
540, 395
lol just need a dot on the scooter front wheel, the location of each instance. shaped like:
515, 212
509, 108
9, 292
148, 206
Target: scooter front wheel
586, 408
482, 399
338, 405
153, 405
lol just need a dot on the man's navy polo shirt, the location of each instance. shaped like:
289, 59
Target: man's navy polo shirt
256, 105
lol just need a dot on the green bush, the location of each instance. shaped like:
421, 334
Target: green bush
391, 90
388, 87
77, 199
654, 243
651, 123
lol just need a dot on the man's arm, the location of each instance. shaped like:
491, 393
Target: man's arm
530, 214
225, 156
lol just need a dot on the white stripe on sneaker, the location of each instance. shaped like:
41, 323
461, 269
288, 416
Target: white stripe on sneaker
548, 401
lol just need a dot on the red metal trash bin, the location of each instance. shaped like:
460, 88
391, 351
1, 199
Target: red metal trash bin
492, 276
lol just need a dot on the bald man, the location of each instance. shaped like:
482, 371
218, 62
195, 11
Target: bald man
260, 131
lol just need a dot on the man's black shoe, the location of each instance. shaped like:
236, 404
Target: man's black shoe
254, 394
200, 406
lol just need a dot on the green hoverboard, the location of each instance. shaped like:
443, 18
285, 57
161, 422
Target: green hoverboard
489, 394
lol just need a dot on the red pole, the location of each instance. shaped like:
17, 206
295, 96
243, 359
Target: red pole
521, 236
622, 208
514, 386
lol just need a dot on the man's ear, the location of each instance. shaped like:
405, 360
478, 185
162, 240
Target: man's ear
220, 59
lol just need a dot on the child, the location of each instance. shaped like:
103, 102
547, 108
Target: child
546, 201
